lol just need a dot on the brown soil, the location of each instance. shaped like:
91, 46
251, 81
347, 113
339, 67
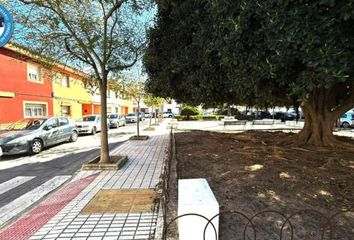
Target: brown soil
256, 171
139, 138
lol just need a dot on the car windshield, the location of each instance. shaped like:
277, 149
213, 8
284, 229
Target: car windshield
88, 119
131, 114
26, 124
113, 116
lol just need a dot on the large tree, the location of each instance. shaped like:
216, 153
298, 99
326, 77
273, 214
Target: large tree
100, 36
294, 52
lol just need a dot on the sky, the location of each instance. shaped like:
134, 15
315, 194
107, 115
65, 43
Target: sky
135, 72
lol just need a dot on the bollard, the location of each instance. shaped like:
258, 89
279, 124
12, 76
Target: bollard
196, 197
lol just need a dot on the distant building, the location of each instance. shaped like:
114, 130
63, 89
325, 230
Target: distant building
172, 106
28, 89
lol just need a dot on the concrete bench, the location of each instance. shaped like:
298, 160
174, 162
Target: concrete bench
295, 124
263, 122
196, 197
228, 118
235, 123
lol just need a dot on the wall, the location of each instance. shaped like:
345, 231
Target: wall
74, 96
13, 79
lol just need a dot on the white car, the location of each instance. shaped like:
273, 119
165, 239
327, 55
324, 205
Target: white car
167, 114
131, 118
347, 120
116, 120
148, 115
89, 124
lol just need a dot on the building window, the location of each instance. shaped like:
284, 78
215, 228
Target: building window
109, 110
33, 72
65, 111
35, 110
65, 81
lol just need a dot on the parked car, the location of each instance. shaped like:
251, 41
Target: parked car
89, 124
142, 116
347, 120
284, 116
168, 115
31, 135
131, 118
116, 120
148, 115
262, 115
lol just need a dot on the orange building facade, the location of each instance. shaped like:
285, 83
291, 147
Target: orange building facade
24, 90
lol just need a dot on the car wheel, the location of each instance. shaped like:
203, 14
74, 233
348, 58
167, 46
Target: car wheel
36, 146
345, 125
94, 131
170, 116
74, 136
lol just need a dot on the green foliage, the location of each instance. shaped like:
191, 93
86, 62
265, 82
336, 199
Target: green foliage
190, 111
135, 89
252, 52
152, 101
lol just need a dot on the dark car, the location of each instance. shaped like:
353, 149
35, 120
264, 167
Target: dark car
262, 115
284, 116
31, 135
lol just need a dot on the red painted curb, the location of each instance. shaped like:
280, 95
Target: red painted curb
29, 224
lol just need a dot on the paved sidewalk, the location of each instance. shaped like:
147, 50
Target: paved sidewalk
60, 216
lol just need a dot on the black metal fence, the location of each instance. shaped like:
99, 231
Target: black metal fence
290, 227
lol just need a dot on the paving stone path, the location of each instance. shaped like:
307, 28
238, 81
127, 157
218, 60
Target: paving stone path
142, 171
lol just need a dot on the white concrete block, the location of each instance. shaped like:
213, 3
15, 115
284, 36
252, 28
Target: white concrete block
195, 196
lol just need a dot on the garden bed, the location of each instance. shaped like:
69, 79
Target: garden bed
117, 162
256, 171
139, 138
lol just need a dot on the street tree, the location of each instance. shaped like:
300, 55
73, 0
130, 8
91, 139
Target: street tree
265, 53
136, 90
154, 103
101, 37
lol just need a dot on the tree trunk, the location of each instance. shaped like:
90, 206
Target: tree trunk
104, 158
319, 122
321, 111
151, 118
155, 115
138, 119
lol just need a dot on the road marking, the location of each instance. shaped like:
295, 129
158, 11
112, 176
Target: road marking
20, 204
15, 182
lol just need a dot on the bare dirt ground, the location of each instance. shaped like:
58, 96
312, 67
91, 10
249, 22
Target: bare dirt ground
255, 171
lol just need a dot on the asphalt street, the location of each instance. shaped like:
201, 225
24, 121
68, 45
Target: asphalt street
26, 173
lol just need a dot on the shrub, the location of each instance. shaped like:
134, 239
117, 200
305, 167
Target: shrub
190, 111
178, 117
210, 117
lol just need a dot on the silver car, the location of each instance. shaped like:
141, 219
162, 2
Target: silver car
131, 118
89, 124
116, 120
31, 135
